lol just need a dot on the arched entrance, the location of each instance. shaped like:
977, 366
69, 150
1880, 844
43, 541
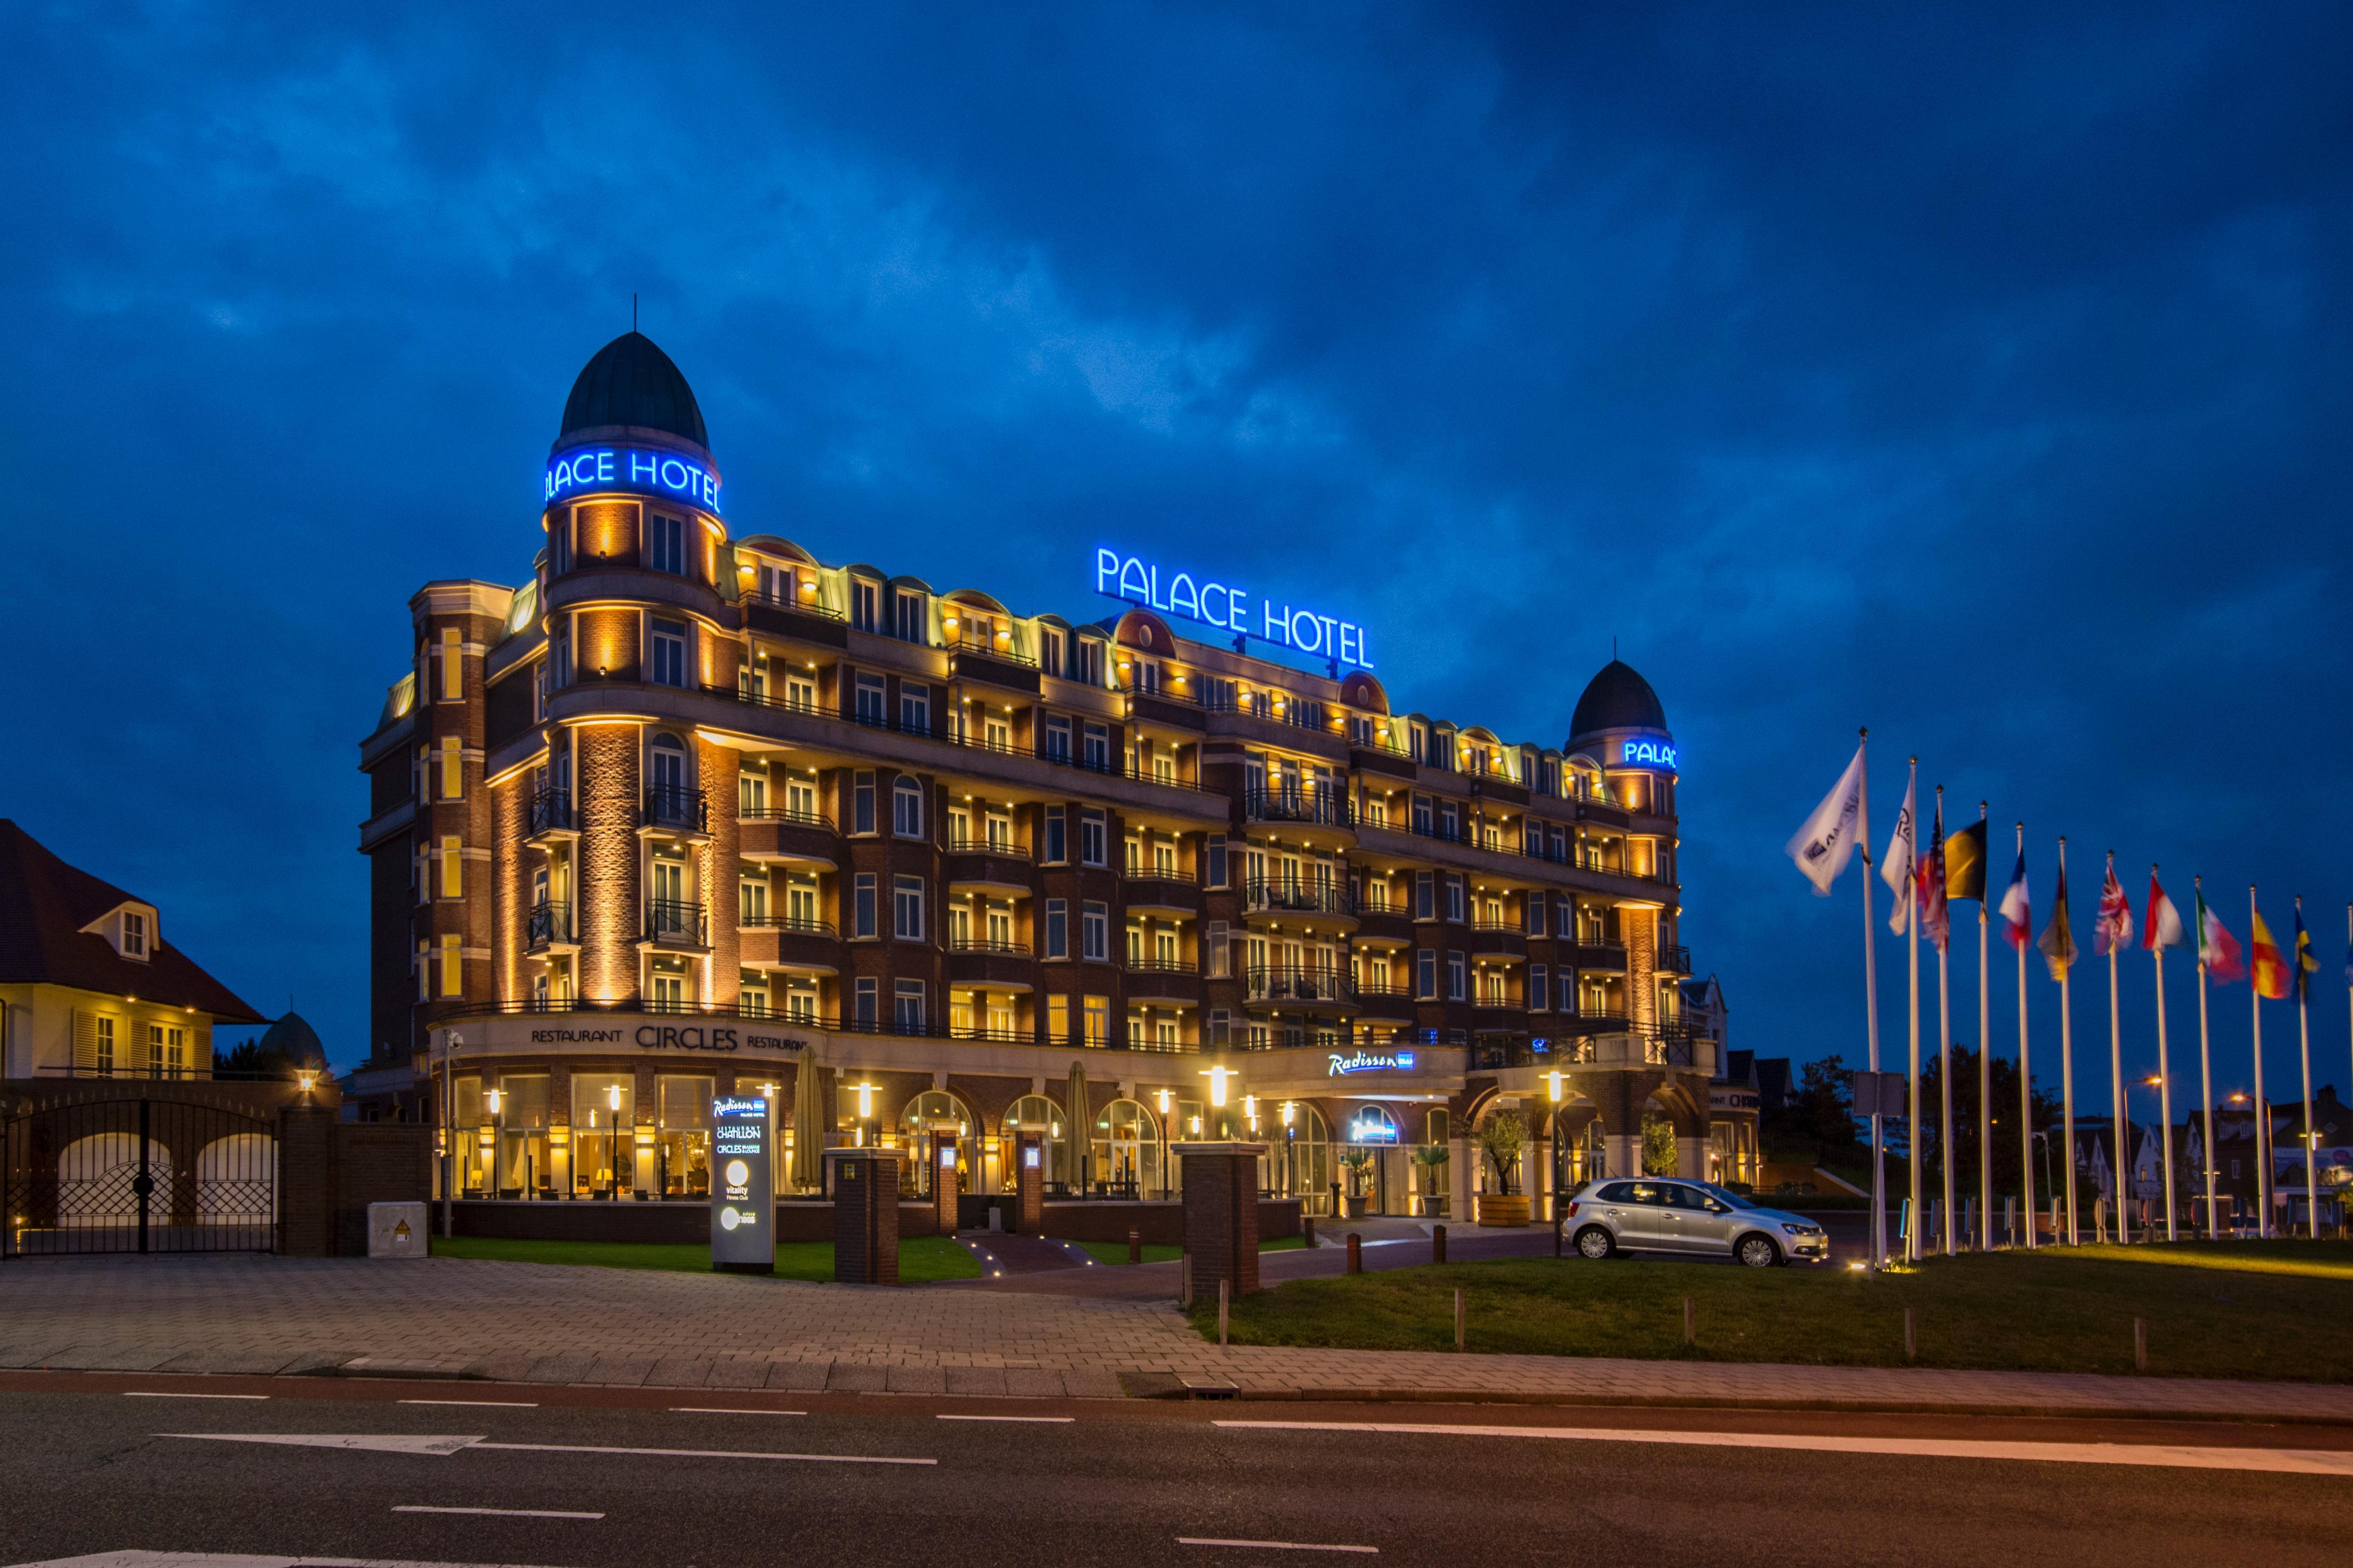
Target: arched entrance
1127, 1149
1304, 1169
1036, 1113
917, 1121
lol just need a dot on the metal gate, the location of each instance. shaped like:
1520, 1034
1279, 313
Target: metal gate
138, 1175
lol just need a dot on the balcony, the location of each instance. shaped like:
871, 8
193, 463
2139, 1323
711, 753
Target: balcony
1590, 1021
673, 808
551, 815
1384, 999
1384, 922
779, 834
789, 942
1497, 938
999, 962
992, 661
1169, 709
1270, 896
1163, 979
550, 927
1297, 987
1594, 953
1315, 809
804, 618
1675, 958
676, 922
1147, 889
998, 864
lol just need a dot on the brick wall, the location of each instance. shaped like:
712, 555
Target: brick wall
606, 890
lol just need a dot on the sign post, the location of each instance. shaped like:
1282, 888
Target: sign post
743, 1198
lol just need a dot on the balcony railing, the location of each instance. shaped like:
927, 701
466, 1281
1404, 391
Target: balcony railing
1323, 808
678, 808
1145, 964
1675, 958
1005, 945
676, 920
787, 814
806, 606
1141, 873
1284, 983
1300, 898
965, 844
551, 811
1001, 650
799, 925
551, 922
1117, 1038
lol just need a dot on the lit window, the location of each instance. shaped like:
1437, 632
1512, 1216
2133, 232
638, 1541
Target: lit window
666, 544
907, 909
668, 664
134, 934
907, 807
907, 1007
453, 969
1092, 849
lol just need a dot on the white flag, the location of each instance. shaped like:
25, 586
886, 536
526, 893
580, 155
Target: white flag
1903, 854
1824, 843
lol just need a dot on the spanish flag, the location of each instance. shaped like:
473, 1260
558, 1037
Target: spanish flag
2270, 968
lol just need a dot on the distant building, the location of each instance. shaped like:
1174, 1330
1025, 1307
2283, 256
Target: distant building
88, 987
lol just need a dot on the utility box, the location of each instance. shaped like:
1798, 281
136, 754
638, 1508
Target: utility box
396, 1230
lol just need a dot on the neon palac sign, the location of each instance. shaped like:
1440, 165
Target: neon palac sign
641, 470
1655, 753
1227, 606
1370, 1061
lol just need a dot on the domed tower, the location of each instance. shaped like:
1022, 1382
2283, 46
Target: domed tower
1620, 721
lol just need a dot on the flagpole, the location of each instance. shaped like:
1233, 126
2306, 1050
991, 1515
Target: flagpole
1871, 1003
2263, 1107
2164, 1073
1912, 1247
1944, 1032
2067, 1062
1985, 1044
2303, 1035
2116, 1068
2205, 1056
2025, 1084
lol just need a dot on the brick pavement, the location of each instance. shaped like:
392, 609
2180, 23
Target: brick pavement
529, 1323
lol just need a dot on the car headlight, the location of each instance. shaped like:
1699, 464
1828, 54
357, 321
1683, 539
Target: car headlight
1801, 1229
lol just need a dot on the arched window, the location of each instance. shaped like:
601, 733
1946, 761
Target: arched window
1036, 1113
917, 1121
1300, 1165
1127, 1147
1371, 1124
666, 765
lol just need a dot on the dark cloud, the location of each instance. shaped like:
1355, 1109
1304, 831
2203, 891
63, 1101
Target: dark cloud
1975, 373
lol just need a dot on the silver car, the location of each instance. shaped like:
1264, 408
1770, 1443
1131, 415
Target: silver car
1695, 1218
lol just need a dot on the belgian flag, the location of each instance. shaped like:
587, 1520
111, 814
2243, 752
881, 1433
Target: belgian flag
1965, 862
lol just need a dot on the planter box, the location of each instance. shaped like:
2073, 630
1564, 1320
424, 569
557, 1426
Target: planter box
1494, 1209
1356, 1207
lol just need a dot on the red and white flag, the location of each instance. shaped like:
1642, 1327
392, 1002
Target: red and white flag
2113, 931
1936, 919
2161, 925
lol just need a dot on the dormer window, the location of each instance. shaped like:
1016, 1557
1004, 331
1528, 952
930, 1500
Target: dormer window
135, 935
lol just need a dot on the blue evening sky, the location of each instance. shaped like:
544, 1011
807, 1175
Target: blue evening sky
1978, 374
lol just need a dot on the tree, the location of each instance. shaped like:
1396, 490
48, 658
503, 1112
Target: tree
1503, 1136
1658, 1146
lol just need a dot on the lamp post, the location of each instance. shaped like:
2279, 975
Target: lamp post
613, 1135
450, 1041
490, 1104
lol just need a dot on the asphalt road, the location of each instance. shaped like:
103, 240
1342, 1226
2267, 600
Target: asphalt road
90, 1470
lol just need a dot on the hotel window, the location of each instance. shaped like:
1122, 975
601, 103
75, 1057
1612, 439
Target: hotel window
1218, 695
666, 544
1086, 662
800, 901
134, 934
801, 693
453, 768
1425, 975
668, 664
1058, 934
871, 702
1058, 1020
1418, 744
1221, 1028
1147, 676
1533, 911
453, 875
1095, 749
907, 908
1450, 822
453, 667
453, 973
752, 902
1454, 898
168, 1050
1457, 977
104, 1058
669, 992
1094, 932
867, 996
1049, 652
425, 972
1425, 895
862, 909
559, 544
1097, 1014
559, 657
915, 710
1058, 740
907, 1007
1222, 950
907, 617
1092, 849
1422, 823
906, 807
751, 795
863, 597
1058, 847
1215, 877
861, 802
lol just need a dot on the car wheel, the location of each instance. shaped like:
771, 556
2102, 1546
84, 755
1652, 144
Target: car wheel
1595, 1242
1758, 1251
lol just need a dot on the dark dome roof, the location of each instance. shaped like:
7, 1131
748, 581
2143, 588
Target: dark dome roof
1616, 699
292, 1037
631, 382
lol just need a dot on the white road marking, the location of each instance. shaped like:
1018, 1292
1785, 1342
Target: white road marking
707, 1454
1276, 1545
727, 1410
1043, 1420
500, 1512
498, 1404
372, 1442
231, 1560
175, 1394
2166, 1456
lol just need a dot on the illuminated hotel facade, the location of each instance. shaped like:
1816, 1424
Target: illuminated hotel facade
692, 813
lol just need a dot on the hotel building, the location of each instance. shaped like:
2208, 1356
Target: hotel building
692, 812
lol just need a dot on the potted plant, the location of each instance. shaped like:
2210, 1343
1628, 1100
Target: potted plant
1433, 1159
1358, 1162
1502, 1137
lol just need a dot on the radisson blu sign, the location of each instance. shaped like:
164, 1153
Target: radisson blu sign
1369, 1061
639, 469
1227, 606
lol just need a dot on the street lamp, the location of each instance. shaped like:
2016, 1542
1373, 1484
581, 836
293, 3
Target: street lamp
613, 1135
450, 1041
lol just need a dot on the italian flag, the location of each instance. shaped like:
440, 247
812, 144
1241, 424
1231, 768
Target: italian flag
2218, 950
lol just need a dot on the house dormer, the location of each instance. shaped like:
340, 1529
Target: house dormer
131, 929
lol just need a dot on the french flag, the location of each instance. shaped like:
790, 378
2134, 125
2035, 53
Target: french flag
2017, 922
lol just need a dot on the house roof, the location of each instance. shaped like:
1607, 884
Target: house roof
44, 905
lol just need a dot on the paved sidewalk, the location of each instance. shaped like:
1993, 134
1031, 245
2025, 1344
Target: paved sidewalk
529, 1322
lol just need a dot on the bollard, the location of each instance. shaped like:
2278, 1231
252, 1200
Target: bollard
1355, 1253
1225, 1296
1690, 1321
2140, 1345
1556, 1235
1911, 1336
1437, 1244
1135, 1245
1458, 1335
1185, 1280
1307, 1231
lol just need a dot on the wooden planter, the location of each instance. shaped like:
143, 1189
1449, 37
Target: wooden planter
1498, 1209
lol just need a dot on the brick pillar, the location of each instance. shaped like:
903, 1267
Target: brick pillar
306, 1181
1460, 1156
944, 1177
1221, 1215
865, 1215
1029, 1185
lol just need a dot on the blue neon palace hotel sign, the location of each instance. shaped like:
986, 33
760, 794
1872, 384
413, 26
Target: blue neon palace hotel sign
1227, 606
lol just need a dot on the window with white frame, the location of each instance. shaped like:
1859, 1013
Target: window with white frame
914, 709
1095, 933
1092, 850
907, 908
1457, 978
666, 543
869, 701
1057, 929
862, 913
668, 665
907, 1007
907, 807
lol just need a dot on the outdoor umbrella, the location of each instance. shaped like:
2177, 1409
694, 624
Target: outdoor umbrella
1077, 1115
809, 1147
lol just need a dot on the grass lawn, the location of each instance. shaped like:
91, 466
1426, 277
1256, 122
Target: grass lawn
922, 1258
2251, 1309
1116, 1251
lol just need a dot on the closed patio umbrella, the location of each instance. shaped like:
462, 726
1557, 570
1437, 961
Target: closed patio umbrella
1077, 1115
809, 1128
